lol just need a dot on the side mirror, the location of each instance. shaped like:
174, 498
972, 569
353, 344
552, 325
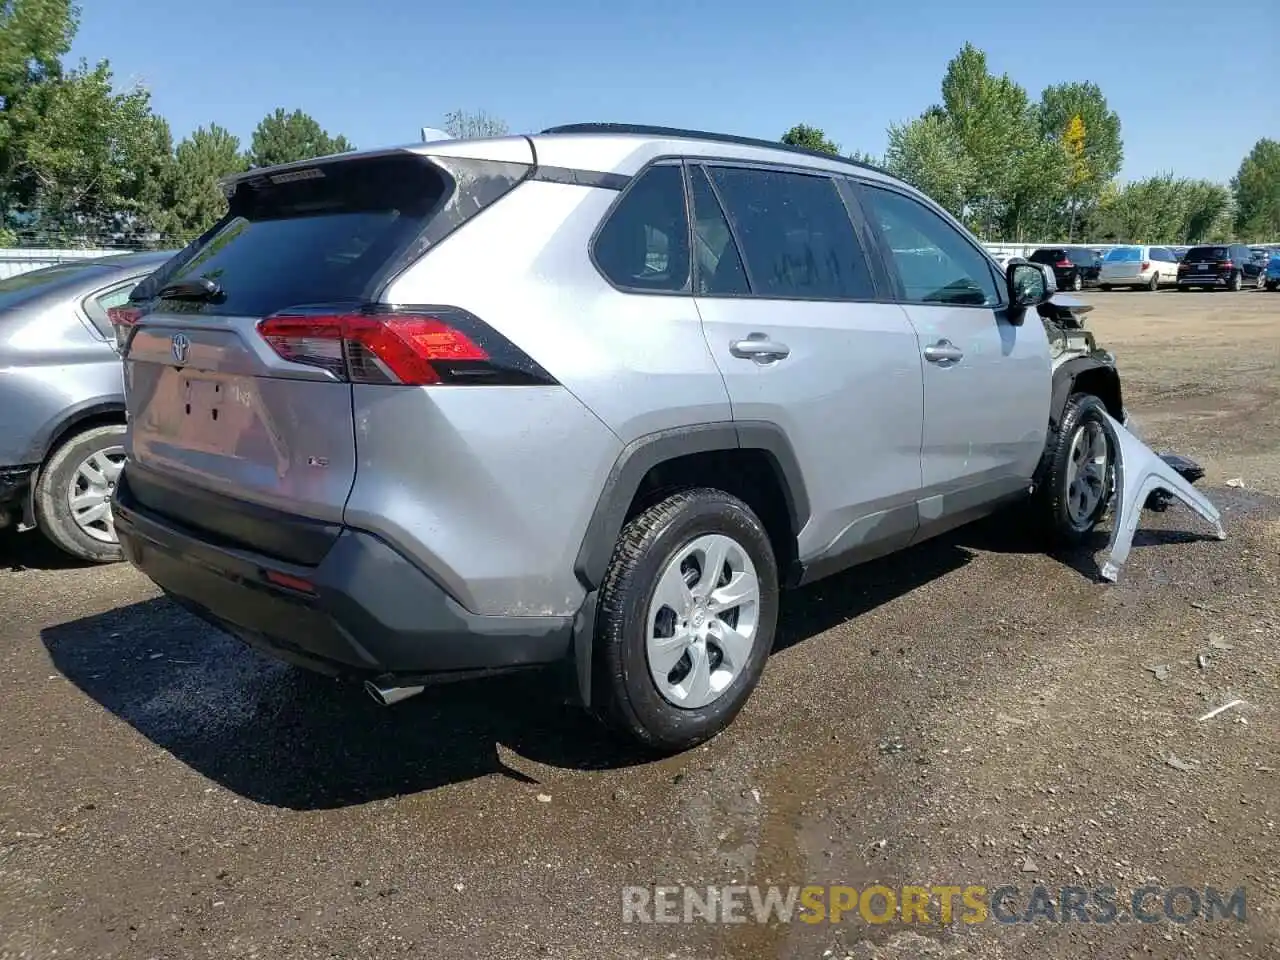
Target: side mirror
1030, 284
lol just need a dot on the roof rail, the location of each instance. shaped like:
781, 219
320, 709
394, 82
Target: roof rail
647, 130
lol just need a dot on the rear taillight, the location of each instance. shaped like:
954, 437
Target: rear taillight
400, 346
1063, 263
1226, 264
1146, 265
123, 320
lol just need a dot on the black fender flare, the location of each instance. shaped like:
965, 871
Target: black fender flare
635, 460
1104, 380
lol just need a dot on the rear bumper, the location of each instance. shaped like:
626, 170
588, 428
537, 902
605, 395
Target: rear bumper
370, 612
1202, 280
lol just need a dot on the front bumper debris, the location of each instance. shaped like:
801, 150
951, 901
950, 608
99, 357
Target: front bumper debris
1142, 477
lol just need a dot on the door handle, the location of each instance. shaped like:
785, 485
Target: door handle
944, 351
760, 348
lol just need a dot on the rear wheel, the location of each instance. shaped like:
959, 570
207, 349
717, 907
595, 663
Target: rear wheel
73, 494
1154, 282
1106, 287
1236, 284
1077, 284
1077, 472
686, 619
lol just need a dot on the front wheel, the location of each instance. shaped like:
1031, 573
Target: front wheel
687, 613
1273, 285
73, 494
1078, 472
1104, 287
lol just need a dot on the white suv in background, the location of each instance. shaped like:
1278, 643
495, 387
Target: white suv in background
1145, 267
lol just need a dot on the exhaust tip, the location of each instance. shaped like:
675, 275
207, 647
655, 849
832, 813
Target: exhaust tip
387, 695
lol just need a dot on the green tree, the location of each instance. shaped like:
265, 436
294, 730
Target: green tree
288, 137
1209, 212
463, 125
810, 138
1257, 193
1076, 116
34, 35
86, 159
193, 198
927, 153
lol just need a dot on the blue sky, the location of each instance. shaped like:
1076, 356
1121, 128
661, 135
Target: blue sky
1192, 101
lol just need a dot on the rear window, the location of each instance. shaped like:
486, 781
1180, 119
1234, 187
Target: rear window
329, 233
20, 289
1047, 256
1207, 253
1124, 254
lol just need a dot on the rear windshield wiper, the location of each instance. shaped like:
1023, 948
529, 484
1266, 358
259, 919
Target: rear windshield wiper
196, 288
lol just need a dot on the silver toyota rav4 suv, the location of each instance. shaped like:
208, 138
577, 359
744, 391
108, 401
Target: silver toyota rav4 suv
589, 397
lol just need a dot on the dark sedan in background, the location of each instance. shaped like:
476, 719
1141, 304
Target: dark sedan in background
1073, 267
62, 400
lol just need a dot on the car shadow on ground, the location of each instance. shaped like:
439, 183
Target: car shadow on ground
285, 737
33, 551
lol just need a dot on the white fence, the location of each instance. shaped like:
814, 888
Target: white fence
14, 260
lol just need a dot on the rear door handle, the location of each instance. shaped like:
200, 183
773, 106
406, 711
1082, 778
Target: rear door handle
760, 348
944, 351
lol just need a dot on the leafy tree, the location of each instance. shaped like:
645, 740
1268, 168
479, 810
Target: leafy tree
810, 138
462, 125
861, 156
1076, 115
927, 153
288, 137
1257, 192
34, 35
85, 158
1209, 212
193, 199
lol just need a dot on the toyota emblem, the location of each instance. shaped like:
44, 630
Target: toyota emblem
181, 346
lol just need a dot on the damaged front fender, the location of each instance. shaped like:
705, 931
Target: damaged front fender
1139, 473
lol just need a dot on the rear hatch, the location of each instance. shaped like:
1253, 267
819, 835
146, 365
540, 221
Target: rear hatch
1121, 264
1205, 261
234, 380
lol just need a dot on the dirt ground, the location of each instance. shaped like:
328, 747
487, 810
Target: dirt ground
970, 713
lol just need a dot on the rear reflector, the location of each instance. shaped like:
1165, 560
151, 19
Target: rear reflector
406, 346
289, 581
123, 320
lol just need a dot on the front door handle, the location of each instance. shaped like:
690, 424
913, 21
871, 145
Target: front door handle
760, 348
944, 351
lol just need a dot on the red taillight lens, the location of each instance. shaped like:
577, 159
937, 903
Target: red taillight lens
408, 346
289, 581
1063, 263
1146, 265
1227, 264
123, 320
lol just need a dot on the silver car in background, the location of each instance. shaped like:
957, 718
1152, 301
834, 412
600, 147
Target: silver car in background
62, 400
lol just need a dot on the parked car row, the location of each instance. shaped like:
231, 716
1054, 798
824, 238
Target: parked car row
1220, 266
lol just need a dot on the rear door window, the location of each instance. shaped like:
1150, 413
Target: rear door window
324, 234
643, 245
797, 237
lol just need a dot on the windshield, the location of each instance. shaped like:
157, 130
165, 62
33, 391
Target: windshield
28, 286
1124, 255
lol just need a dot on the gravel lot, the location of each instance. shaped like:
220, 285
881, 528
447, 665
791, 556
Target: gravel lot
971, 712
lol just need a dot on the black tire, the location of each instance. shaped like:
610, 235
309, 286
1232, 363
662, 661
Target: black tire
1273, 285
624, 694
1104, 287
1236, 284
1077, 284
1051, 495
1154, 283
52, 509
